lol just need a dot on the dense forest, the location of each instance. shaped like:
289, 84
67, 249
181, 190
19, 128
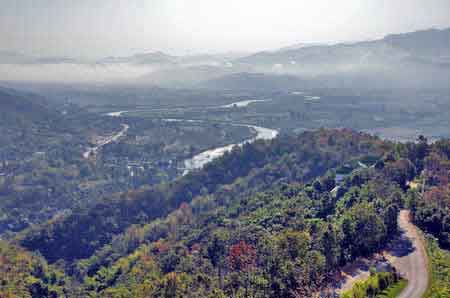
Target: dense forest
431, 201
269, 219
278, 243
257, 165
41, 163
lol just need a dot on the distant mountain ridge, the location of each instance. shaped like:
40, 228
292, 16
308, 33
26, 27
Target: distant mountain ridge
410, 60
418, 59
11, 57
427, 43
302, 45
142, 58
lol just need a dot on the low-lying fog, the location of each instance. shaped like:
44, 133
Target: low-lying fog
412, 60
65, 72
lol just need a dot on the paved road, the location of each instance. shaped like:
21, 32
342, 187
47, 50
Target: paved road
409, 257
111, 139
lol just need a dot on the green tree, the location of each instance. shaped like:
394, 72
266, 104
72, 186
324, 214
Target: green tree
217, 252
330, 246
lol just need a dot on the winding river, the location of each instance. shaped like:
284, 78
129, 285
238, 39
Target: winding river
242, 103
199, 160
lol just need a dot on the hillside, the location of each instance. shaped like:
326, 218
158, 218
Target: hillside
41, 163
46, 165
23, 274
17, 106
260, 165
281, 224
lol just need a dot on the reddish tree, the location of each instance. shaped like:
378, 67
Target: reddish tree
146, 259
196, 248
184, 215
160, 247
438, 195
241, 257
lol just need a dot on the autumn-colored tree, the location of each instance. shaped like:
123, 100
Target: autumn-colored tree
185, 211
436, 195
242, 257
400, 171
174, 285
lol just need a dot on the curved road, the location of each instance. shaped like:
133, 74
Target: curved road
406, 253
409, 257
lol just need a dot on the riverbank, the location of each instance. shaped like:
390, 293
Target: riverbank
201, 159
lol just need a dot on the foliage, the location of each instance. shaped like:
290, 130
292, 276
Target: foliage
275, 243
394, 290
440, 270
25, 275
241, 257
263, 221
260, 165
374, 286
431, 205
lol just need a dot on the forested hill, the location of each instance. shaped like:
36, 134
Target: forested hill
16, 106
41, 157
253, 167
270, 219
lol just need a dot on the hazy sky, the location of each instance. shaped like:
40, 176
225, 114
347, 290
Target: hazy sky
95, 28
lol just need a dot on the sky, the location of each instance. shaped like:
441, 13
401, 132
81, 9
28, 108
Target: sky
99, 28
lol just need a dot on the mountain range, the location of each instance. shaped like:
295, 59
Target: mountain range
418, 59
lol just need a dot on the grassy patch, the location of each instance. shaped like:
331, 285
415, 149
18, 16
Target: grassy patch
439, 259
394, 290
383, 284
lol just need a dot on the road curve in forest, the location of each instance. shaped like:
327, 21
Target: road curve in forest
408, 255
